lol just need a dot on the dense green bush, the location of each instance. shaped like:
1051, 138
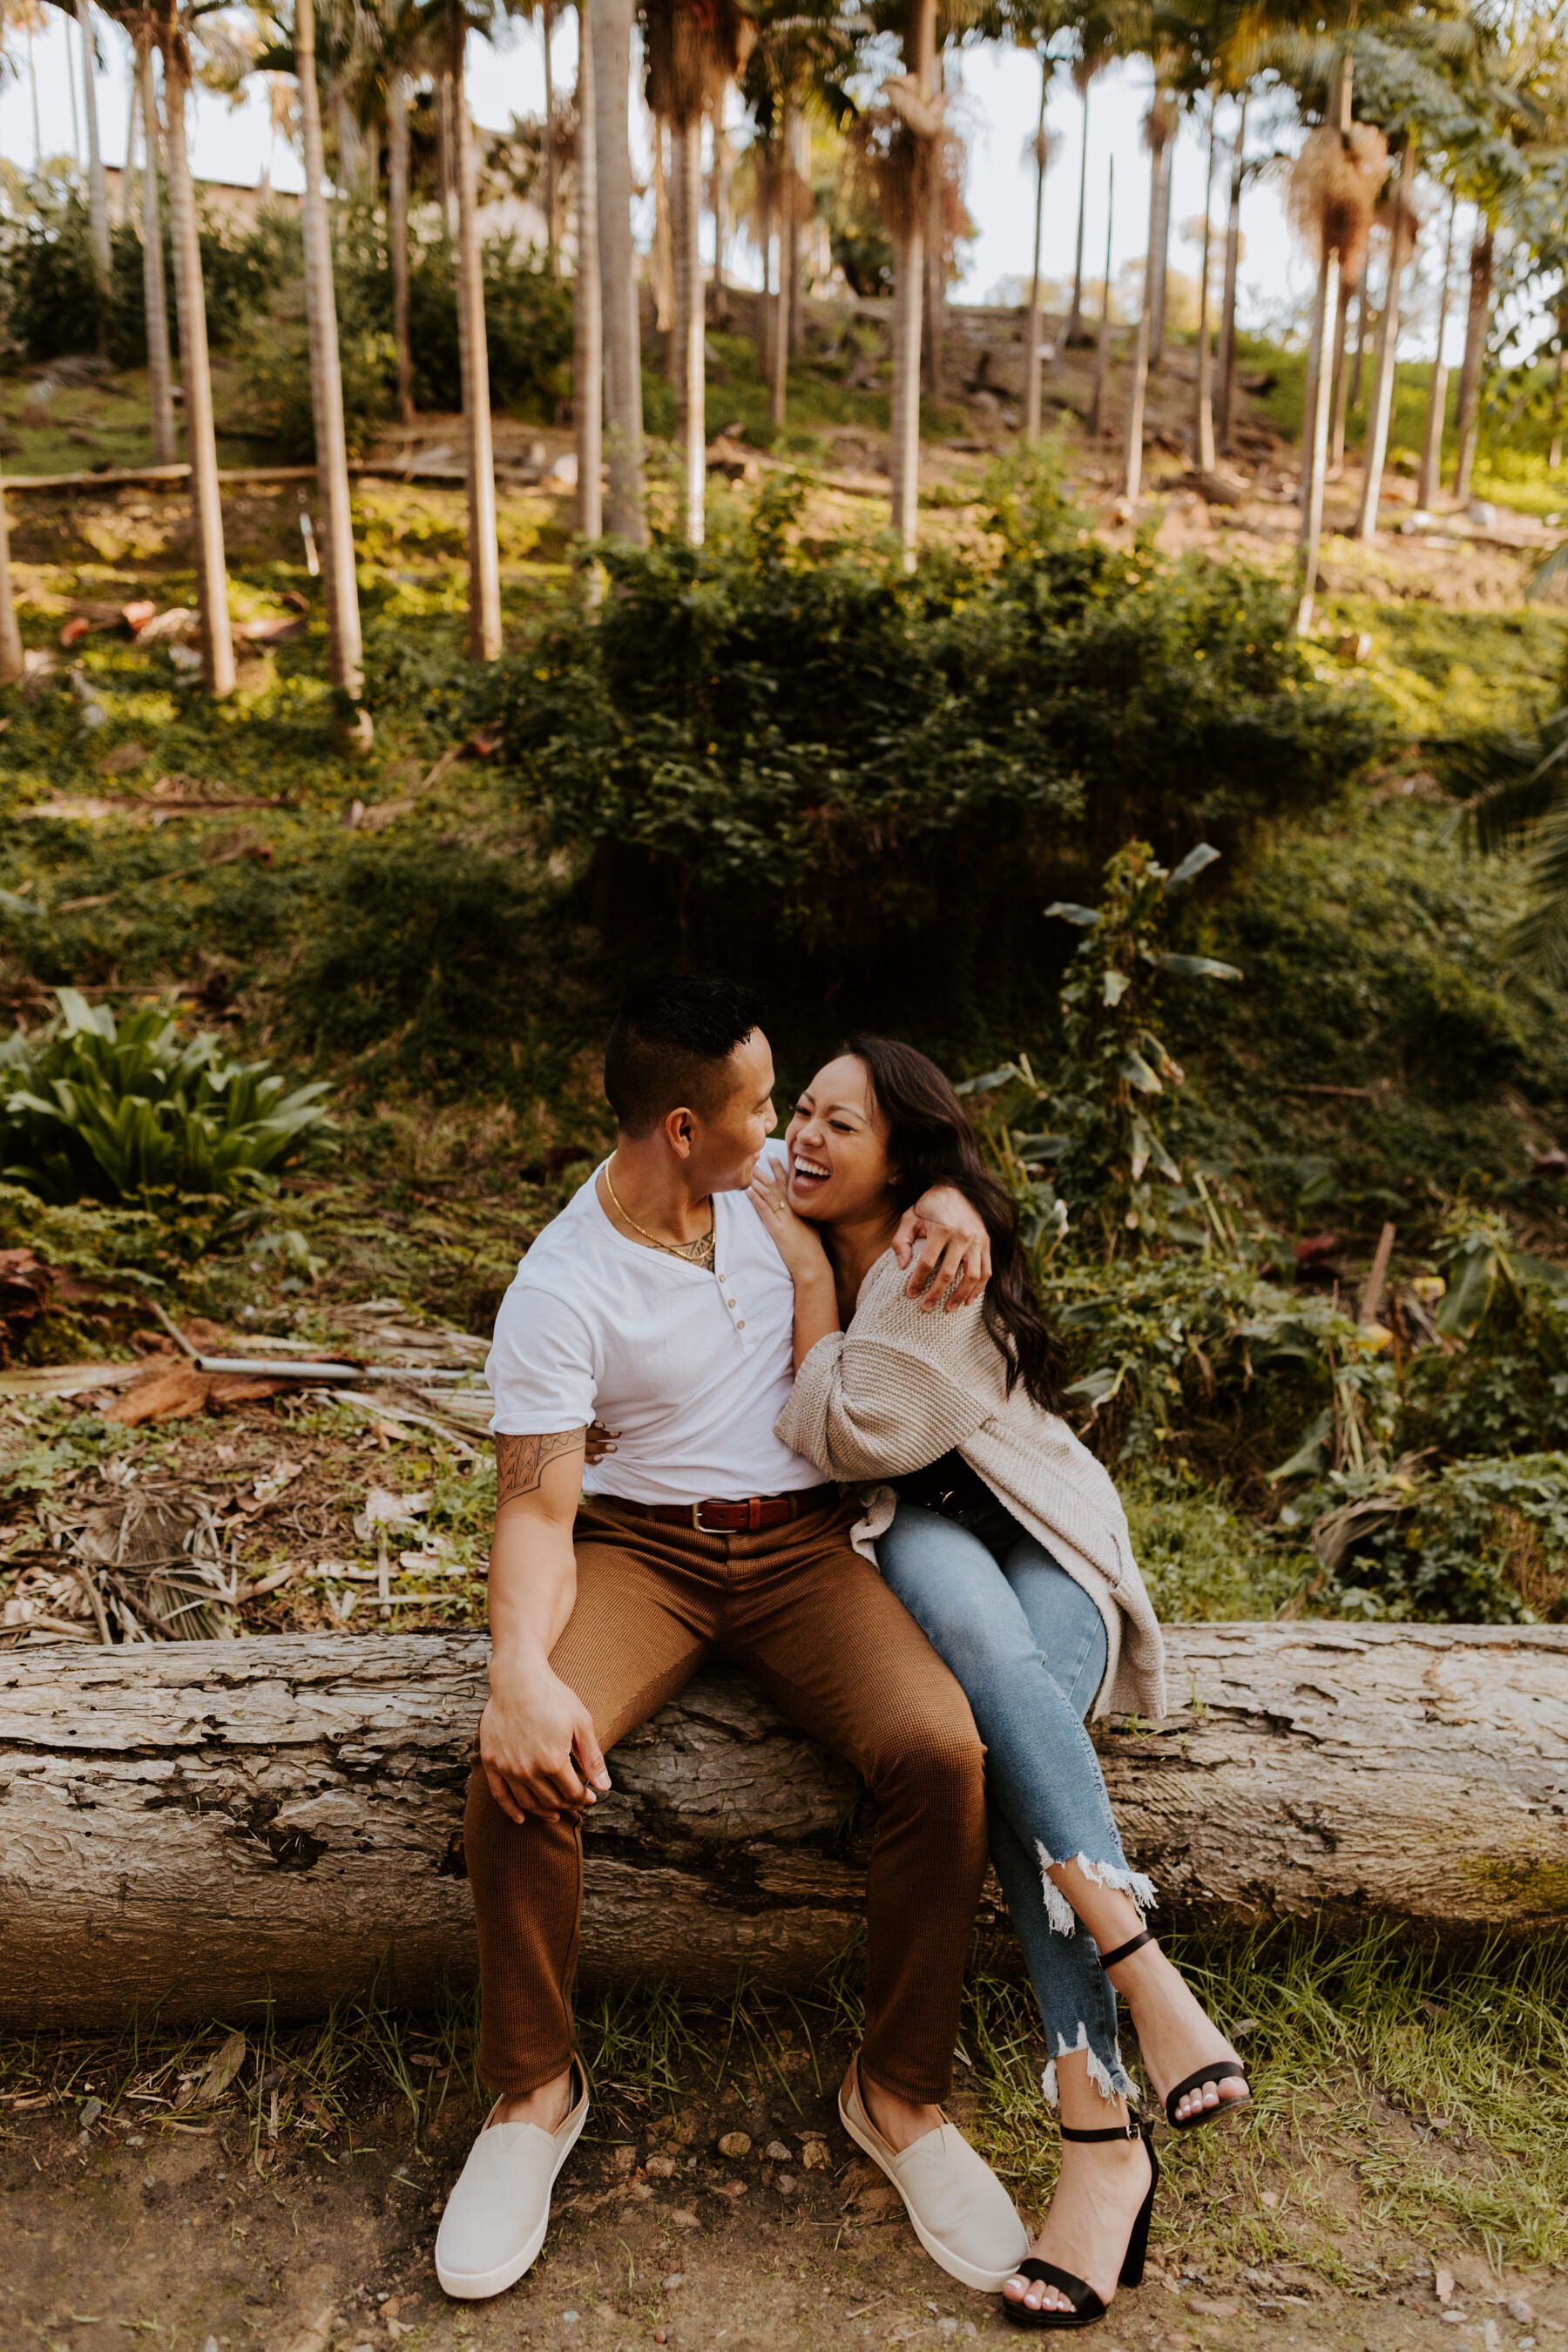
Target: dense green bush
49, 300
92, 1109
803, 762
1478, 1541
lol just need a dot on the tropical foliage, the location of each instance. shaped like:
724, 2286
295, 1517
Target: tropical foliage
96, 1109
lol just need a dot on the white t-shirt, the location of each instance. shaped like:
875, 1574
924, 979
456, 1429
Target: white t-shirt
691, 1372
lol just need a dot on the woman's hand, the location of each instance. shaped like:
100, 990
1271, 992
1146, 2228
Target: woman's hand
797, 1241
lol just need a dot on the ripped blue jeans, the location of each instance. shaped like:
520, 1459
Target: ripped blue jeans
1029, 1645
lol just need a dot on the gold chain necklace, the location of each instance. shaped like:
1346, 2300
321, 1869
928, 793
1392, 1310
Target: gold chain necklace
702, 1252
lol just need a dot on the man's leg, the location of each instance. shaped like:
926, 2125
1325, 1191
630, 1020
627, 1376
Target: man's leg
833, 1647
633, 1640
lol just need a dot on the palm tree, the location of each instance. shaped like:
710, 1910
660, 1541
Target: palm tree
611, 23
1041, 147
914, 97
345, 646
1102, 340
170, 27
1437, 395
97, 183
1161, 127
154, 295
1226, 397
1333, 187
1478, 324
397, 183
11, 663
1086, 65
484, 551
1156, 137
1403, 224
587, 305
1203, 427
692, 53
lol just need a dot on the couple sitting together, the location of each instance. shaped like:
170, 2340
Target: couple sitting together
853, 1481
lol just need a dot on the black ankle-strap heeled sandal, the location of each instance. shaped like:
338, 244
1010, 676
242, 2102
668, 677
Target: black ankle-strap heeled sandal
1086, 2305
1223, 2070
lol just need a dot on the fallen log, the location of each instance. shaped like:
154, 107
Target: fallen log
201, 1828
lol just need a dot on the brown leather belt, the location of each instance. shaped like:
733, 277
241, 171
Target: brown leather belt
747, 1517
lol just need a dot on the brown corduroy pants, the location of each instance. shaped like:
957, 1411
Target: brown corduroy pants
815, 1624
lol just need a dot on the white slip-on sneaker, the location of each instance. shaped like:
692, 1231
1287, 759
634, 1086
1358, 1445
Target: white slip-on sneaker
498, 2213
958, 2209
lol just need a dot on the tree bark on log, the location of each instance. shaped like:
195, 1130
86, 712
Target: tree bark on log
201, 1828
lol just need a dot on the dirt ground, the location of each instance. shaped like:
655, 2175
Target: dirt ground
186, 2236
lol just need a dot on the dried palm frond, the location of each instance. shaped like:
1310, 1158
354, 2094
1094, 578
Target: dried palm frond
1396, 215
1333, 189
693, 49
150, 1564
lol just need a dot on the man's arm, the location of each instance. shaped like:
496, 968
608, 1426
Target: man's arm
536, 1737
954, 1252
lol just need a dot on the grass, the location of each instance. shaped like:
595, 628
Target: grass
1428, 2099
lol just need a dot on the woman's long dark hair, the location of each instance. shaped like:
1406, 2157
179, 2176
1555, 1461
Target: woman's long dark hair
931, 1142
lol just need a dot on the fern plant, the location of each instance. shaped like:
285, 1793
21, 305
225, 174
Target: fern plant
96, 1109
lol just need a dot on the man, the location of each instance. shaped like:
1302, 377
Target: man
658, 1304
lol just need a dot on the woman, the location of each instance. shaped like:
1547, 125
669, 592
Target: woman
1004, 1537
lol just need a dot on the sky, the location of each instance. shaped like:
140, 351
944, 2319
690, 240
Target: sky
995, 105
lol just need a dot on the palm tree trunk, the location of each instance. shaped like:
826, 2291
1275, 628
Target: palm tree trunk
1467, 417
345, 656
1160, 246
612, 28
11, 663
1204, 429
800, 172
587, 305
1362, 321
690, 324
1075, 316
132, 116
1431, 476
1102, 342
195, 372
1232, 268
154, 294
1036, 307
719, 203
662, 260
1340, 381
1554, 449
935, 299
1316, 440
778, 331
1132, 470
97, 185
1387, 357
484, 553
919, 57
33, 86
551, 257
397, 237
765, 306
445, 162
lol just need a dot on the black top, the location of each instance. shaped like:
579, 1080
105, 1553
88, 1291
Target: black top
947, 1485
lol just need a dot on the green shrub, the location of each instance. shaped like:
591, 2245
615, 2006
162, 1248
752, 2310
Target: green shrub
867, 784
49, 300
1479, 1542
95, 1109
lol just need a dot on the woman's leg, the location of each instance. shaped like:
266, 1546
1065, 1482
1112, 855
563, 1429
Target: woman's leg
1091, 1881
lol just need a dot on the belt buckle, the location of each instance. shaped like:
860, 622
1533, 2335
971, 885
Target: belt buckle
697, 1521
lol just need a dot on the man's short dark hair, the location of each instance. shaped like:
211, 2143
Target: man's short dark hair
670, 1044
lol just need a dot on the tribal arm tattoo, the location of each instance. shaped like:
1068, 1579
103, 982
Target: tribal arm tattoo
522, 1462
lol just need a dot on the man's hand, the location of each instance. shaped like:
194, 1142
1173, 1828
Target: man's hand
946, 1237
537, 1743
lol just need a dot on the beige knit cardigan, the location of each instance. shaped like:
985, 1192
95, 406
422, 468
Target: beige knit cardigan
901, 1388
